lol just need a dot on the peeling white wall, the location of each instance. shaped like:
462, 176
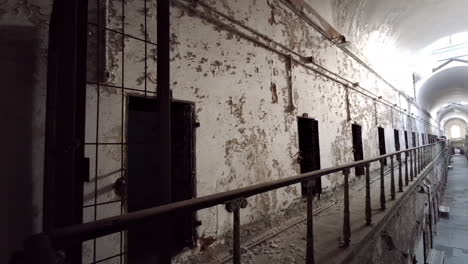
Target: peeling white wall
248, 132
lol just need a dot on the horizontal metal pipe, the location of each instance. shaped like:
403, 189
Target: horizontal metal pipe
350, 53
287, 51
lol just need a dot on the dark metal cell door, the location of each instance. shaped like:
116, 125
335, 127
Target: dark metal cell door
65, 167
423, 139
145, 183
406, 139
309, 148
382, 148
396, 135
413, 135
357, 148
183, 171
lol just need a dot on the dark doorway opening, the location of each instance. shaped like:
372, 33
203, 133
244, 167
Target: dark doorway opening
414, 139
382, 148
423, 139
357, 148
406, 139
396, 135
144, 184
309, 150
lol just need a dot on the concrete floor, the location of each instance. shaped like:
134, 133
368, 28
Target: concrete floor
452, 233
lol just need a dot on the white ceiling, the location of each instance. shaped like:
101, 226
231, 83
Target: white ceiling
449, 86
411, 24
405, 28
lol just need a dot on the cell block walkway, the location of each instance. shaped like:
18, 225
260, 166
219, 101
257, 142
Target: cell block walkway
289, 246
452, 233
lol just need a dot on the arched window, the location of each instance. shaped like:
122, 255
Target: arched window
455, 132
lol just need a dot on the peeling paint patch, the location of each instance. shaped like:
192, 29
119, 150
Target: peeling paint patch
216, 67
274, 94
237, 108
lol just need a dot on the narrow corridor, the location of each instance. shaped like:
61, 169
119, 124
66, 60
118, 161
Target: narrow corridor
452, 232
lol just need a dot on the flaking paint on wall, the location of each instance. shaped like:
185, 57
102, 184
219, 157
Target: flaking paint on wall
247, 135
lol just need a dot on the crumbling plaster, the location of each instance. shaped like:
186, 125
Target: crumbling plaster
248, 131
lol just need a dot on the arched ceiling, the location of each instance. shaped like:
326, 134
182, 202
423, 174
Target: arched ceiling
449, 86
453, 111
411, 25
455, 122
391, 34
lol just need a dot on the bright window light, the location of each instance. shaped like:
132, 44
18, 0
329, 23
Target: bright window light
455, 132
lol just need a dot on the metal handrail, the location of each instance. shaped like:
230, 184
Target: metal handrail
82, 232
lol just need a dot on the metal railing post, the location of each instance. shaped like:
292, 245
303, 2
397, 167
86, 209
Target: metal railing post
310, 259
236, 237
234, 207
425, 156
433, 152
410, 153
400, 174
346, 216
392, 179
417, 161
406, 169
368, 196
382, 185
421, 159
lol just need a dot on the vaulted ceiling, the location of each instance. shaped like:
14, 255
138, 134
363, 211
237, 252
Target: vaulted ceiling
445, 88
412, 25
409, 28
